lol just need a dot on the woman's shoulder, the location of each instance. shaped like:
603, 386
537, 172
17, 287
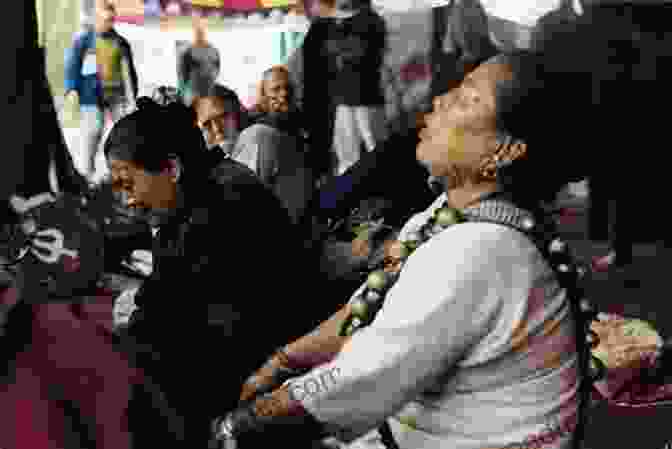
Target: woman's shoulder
233, 192
478, 235
231, 173
484, 244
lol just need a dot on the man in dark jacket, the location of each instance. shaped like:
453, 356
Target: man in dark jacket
225, 248
342, 96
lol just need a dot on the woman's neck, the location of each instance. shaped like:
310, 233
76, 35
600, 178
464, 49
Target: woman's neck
467, 195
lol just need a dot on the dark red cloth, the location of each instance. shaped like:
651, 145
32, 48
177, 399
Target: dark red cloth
70, 358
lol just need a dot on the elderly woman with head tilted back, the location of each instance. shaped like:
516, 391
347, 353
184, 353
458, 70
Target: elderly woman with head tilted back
465, 337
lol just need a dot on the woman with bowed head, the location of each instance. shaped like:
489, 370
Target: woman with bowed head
229, 280
466, 336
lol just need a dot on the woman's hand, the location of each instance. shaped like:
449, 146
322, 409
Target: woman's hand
318, 347
269, 377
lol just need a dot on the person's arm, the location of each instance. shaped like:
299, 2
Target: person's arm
315, 348
129, 72
409, 346
73, 65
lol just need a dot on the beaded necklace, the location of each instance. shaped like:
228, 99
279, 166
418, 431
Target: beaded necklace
369, 301
366, 305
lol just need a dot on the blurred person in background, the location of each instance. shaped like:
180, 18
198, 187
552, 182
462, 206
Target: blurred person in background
221, 117
272, 147
276, 102
461, 42
198, 65
100, 76
339, 71
625, 49
117, 72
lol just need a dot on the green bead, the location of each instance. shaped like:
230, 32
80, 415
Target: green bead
359, 308
412, 245
447, 216
377, 280
404, 251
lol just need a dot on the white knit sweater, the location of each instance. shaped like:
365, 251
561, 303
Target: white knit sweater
474, 348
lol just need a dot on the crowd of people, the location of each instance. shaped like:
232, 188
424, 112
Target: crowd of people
458, 323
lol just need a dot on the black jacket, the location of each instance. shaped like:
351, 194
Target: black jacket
233, 243
359, 42
230, 284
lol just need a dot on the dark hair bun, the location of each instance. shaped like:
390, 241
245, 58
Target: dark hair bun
536, 105
154, 133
